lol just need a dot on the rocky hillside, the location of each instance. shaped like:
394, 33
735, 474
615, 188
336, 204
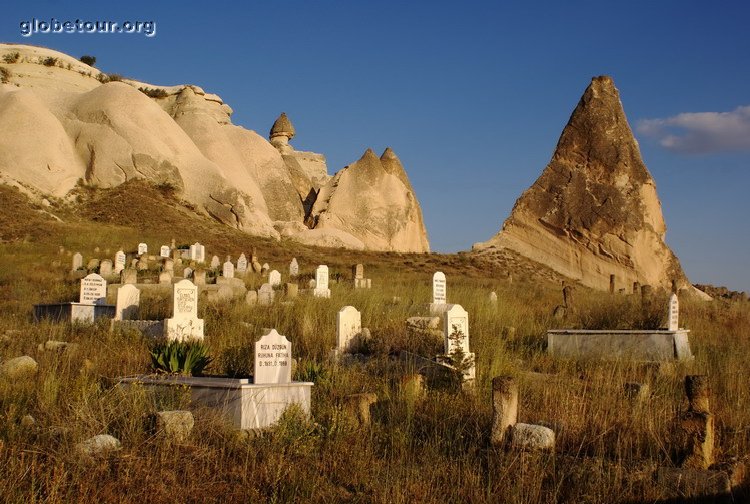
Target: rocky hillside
594, 211
64, 123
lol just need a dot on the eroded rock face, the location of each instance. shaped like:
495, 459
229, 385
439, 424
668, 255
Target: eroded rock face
594, 211
373, 201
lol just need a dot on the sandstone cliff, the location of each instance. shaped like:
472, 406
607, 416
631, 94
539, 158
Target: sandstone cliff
63, 122
373, 202
594, 211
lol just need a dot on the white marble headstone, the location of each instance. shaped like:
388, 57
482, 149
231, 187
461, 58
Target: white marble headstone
105, 267
439, 288
273, 359
228, 270
274, 278
321, 282
164, 251
93, 290
266, 294
184, 323
242, 263
456, 321
348, 326
128, 300
673, 316
293, 268
142, 249
215, 262
77, 261
120, 259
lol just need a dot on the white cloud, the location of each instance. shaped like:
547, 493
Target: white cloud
701, 132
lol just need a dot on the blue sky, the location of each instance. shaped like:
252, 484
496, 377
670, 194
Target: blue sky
472, 96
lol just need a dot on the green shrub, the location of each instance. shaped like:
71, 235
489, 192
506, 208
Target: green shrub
105, 78
183, 357
154, 92
11, 57
88, 60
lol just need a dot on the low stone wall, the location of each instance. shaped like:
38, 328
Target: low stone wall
657, 345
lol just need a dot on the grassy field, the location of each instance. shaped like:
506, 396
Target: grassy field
430, 449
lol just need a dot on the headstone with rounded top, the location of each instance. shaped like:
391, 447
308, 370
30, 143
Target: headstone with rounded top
293, 268
77, 261
265, 294
242, 263
164, 251
142, 249
228, 270
321, 282
105, 267
120, 260
273, 359
274, 278
348, 327
128, 300
184, 324
93, 290
215, 262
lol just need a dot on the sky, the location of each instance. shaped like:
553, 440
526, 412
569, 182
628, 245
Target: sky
472, 96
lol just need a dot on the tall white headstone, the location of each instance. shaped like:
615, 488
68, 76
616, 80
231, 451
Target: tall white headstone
242, 263
215, 262
93, 290
120, 260
77, 261
456, 333
184, 324
274, 278
321, 282
293, 268
142, 249
164, 251
673, 316
348, 326
439, 288
128, 300
273, 359
228, 270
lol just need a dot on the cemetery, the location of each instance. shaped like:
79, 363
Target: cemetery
429, 358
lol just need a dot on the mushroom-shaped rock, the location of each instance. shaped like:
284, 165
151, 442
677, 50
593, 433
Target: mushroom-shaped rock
282, 131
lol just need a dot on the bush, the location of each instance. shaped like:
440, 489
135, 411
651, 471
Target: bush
11, 57
50, 61
104, 78
183, 357
88, 60
238, 361
5, 75
154, 93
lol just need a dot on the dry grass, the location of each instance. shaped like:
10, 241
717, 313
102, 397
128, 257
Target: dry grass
433, 450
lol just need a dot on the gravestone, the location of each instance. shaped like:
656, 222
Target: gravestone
265, 294
128, 300
321, 282
273, 359
187, 273
265, 268
105, 267
251, 298
120, 260
673, 315
199, 276
164, 251
215, 262
358, 271
228, 270
142, 264
184, 324
456, 329
167, 265
439, 288
493, 297
77, 261
142, 249
242, 263
197, 252
93, 290
165, 278
291, 290
129, 276
274, 278
348, 327
293, 268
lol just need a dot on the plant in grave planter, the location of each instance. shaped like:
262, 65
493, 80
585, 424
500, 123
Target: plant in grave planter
180, 357
458, 359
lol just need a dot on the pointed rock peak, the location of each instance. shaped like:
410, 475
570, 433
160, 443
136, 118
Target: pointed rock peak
388, 154
282, 127
369, 153
393, 165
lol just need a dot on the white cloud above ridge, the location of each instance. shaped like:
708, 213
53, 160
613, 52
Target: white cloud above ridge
701, 132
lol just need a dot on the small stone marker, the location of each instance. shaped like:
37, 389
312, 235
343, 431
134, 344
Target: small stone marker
358, 271
505, 408
187, 273
120, 260
164, 251
77, 261
265, 268
293, 268
493, 297
184, 324
105, 267
142, 249
242, 264
228, 270
291, 290
215, 262
93, 290
128, 300
273, 359
168, 265
129, 276
199, 276
165, 278
265, 294
321, 282
673, 315
348, 327
274, 278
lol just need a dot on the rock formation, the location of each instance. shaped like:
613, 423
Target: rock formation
372, 202
63, 122
594, 211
